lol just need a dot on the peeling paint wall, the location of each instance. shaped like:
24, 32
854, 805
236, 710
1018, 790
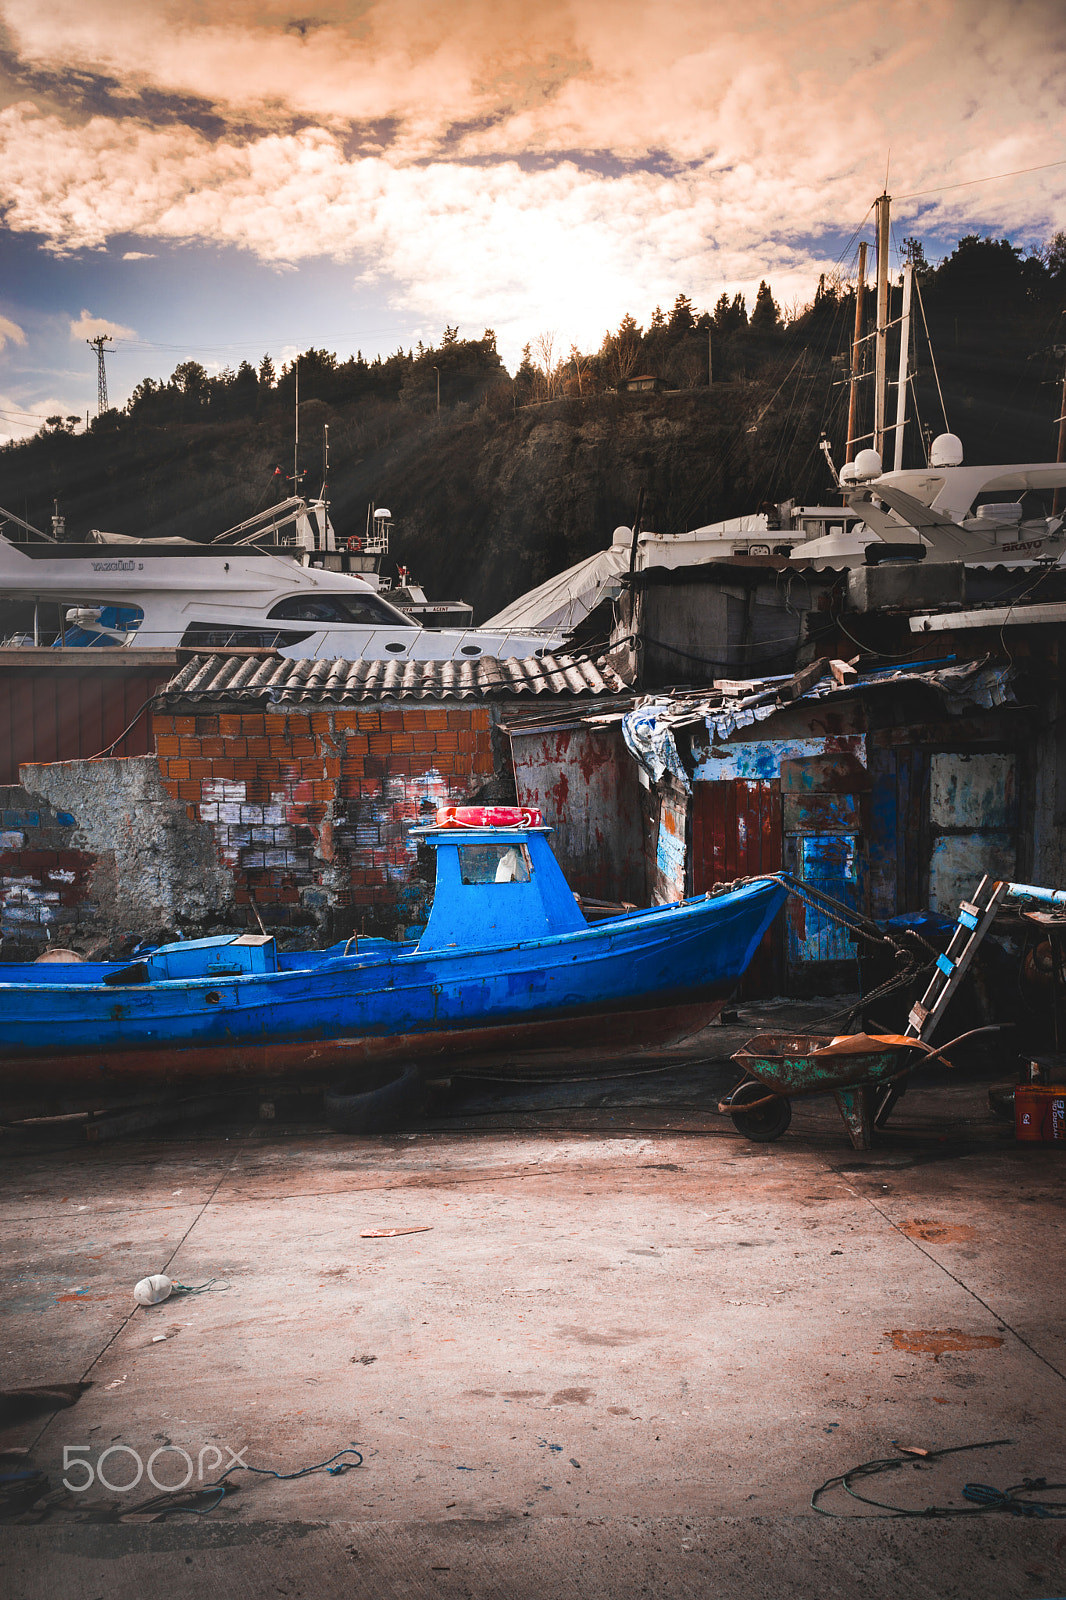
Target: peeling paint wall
587, 785
110, 853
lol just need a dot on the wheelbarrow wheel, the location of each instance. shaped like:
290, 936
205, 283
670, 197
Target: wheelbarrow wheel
765, 1122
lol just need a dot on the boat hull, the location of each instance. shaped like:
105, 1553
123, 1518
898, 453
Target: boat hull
641, 980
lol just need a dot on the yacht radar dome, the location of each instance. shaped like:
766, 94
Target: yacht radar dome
621, 538
867, 465
946, 451
849, 472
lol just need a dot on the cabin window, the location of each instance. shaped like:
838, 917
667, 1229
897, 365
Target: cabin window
362, 608
220, 636
494, 863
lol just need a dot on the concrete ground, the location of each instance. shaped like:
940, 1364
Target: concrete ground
623, 1353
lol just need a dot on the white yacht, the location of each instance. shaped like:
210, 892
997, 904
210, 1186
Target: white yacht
280, 581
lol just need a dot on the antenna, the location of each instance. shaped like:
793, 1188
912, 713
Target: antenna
98, 344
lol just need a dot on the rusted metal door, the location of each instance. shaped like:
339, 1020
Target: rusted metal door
823, 800
736, 833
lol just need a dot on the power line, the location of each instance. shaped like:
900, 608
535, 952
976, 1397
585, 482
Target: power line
968, 183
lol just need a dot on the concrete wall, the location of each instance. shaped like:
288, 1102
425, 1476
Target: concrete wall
100, 849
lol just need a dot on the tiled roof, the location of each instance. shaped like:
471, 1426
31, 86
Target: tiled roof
281, 681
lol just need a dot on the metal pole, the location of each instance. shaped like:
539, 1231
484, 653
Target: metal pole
296, 441
904, 353
1061, 452
856, 350
883, 204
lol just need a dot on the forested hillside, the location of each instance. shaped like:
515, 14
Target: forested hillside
497, 481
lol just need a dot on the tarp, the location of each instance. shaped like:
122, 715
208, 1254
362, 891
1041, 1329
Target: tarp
648, 730
566, 599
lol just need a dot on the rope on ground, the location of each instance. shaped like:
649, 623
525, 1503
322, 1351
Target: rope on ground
984, 1497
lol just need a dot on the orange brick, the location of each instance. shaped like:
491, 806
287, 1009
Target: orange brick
177, 769
392, 721
464, 764
193, 814
352, 771
467, 739
184, 724
484, 739
369, 721
436, 718
483, 762
244, 769
331, 768
189, 747
161, 723
401, 744
236, 747
213, 745
459, 719
188, 789
167, 745
400, 766
446, 740
357, 744
413, 719
251, 722
207, 724
279, 746
301, 748
229, 725
444, 761
380, 744
274, 722
258, 746
222, 767
321, 722
169, 785
200, 769
424, 741
346, 720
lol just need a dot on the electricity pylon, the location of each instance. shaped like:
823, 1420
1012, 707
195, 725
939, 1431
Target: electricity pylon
98, 344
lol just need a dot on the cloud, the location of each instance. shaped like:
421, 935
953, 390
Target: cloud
138, 255
535, 167
90, 327
10, 333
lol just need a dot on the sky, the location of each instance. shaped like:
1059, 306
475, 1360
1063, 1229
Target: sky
215, 179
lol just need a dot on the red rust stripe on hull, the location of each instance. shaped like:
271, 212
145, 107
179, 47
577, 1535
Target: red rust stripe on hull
596, 1035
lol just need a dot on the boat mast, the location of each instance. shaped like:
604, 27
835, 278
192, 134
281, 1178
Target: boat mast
881, 209
904, 353
856, 348
1060, 453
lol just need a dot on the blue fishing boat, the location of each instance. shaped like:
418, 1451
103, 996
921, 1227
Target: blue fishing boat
507, 962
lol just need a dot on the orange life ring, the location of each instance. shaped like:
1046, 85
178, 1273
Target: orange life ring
355, 544
488, 817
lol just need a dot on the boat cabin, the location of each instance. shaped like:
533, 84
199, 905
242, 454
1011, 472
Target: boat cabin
496, 886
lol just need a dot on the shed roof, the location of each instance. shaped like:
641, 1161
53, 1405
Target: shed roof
284, 681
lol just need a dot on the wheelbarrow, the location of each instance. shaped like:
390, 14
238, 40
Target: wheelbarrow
865, 1074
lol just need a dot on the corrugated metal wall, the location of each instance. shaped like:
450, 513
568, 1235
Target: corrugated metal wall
65, 716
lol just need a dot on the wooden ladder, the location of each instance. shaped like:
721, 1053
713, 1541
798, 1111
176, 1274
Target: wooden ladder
975, 919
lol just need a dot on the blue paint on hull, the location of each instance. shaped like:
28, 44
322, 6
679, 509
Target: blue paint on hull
672, 956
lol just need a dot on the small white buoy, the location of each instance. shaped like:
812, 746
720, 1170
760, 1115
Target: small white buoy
150, 1291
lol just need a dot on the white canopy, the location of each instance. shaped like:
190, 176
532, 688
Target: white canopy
566, 599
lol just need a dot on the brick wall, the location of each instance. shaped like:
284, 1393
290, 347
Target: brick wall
311, 809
